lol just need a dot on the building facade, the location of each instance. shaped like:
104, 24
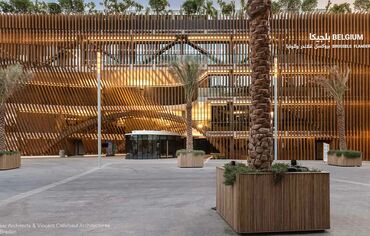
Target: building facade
57, 109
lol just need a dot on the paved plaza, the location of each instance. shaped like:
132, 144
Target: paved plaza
71, 196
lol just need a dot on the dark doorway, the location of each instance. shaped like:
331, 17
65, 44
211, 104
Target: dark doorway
205, 145
79, 148
319, 149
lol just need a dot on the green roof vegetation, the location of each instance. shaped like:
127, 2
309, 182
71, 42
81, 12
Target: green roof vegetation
346, 153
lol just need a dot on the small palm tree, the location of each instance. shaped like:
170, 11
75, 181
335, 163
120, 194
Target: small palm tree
188, 72
336, 86
12, 78
260, 134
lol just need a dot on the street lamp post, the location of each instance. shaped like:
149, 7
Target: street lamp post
275, 111
98, 75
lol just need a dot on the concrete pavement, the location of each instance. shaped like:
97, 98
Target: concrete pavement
71, 196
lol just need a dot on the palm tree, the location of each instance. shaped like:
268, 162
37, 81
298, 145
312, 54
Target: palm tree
12, 79
209, 9
188, 73
336, 86
260, 134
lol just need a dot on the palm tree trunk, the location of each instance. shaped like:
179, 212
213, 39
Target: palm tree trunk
341, 126
2, 127
260, 134
189, 130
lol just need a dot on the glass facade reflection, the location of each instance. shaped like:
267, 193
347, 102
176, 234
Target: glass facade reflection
153, 144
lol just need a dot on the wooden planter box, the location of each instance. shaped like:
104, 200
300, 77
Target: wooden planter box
254, 204
189, 160
10, 161
334, 160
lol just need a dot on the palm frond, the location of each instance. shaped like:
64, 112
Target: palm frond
188, 73
336, 83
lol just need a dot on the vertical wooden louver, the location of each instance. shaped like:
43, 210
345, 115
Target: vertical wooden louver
58, 106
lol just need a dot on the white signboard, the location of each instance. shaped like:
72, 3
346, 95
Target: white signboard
325, 150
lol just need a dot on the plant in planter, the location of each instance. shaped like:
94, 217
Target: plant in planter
286, 198
12, 78
336, 86
192, 158
188, 72
262, 197
344, 158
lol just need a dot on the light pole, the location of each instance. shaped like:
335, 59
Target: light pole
275, 110
98, 75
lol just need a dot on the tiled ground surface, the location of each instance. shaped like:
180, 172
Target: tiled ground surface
145, 197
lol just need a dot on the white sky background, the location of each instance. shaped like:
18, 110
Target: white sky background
176, 4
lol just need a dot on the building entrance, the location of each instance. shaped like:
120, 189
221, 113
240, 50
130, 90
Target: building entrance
145, 144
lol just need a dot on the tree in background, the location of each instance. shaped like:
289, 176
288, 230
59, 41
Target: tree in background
12, 78
336, 87
294, 6
110, 6
291, 5
192, 7
244, 6
39, 7
90, 8
17, 6
27, 6
54, 8
209, 9
340, 8
125, 6
5, 7
362, 5
227, 9
159, 6
309, 5
276, 7
260, 134
72, 6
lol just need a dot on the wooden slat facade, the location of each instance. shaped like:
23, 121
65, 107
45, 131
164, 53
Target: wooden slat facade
58, 107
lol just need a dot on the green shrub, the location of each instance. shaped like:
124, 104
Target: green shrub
232, 170
194, 152
346, 153
8, 152
278, 170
